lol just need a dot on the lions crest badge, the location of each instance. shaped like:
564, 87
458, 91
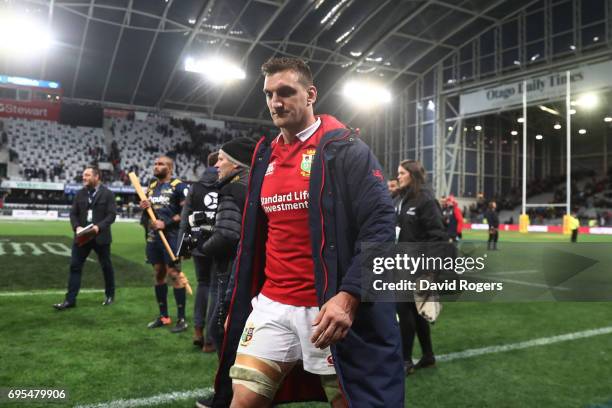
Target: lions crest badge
247, 334
306, 164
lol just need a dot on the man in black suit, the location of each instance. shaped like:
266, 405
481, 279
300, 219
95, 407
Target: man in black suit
93, 204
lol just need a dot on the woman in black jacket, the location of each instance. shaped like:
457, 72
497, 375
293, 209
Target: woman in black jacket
419, 219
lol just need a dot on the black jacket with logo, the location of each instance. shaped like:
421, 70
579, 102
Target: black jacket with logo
419, 217
104, 211
203, 197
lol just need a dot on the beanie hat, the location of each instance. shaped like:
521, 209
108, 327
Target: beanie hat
239, 151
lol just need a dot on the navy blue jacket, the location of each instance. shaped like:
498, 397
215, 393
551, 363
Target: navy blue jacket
349, 204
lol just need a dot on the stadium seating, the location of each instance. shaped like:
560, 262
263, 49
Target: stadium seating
45, 144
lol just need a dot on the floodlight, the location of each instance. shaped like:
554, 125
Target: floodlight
572, 111
588, 101
557, 126
607, 119
582, 131
215, 69
21, 35
366, 94
450, 128
520, 120
549, 110
539, 137
514, 133
478, 127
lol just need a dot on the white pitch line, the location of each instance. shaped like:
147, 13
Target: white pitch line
524, 283
544, 341
519, 272
46, 292
151, 401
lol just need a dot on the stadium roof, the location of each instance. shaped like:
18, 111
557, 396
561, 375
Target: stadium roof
133, 51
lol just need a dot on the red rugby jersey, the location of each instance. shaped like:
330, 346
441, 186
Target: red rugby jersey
284, 198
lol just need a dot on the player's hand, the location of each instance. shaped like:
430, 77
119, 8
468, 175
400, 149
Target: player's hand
225, 323
144, 204
159, 225
79, 229
96, 228
334, 320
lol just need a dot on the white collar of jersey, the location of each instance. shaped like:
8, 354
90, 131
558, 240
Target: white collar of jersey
305, 134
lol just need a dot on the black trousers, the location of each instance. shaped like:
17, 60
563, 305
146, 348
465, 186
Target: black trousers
574, 235
411, 323
493, 237
206, 294
79, 255
216, 319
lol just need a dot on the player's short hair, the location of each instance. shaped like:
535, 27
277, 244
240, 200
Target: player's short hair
280, 64
94, 169
212, 158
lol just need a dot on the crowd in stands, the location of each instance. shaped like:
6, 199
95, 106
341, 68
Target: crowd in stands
589, 191
40, 147
48, 151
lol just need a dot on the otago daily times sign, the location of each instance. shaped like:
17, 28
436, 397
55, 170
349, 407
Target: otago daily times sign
547, 86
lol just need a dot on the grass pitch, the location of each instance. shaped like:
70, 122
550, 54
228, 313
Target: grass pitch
103, 354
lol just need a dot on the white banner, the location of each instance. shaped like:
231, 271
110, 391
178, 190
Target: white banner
34, 215
32, 185
537, 228
600, 230
547, 86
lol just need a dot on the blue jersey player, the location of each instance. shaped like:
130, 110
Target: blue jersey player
166, 195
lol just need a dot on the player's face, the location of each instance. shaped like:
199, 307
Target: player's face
90, 180
161, 168
403, 177
224, 166
289, 101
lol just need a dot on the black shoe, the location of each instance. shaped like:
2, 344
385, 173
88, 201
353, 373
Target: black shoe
108, 301
426, 362
198, 341
161, 321
64, 305
181, 326
408, 367
204, 402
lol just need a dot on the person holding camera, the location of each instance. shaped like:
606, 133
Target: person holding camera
233, 165
197, 221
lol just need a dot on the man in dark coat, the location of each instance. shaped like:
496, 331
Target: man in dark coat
93, 204
197, 221
316, 192
493, 220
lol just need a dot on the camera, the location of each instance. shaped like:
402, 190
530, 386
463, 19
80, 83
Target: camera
191, 240
201, 229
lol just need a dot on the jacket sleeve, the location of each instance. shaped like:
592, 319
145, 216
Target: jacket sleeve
74, 213
110, 211
185, 212
432, 222
372, 211
226, 233
459, 218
